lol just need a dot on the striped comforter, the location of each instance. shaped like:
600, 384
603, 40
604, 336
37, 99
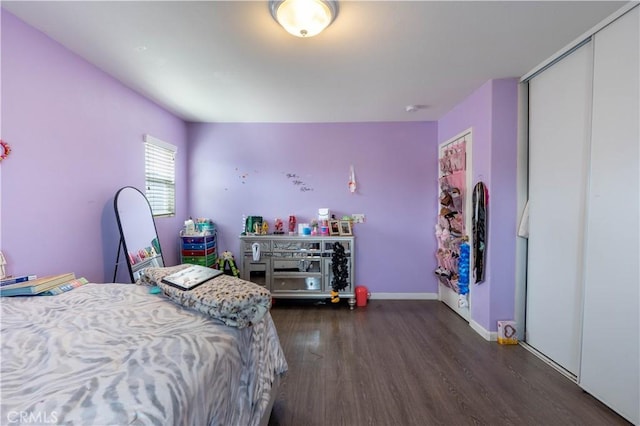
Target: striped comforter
113, 354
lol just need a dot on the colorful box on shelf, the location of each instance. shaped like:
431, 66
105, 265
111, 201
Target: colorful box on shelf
199, 227
205, 228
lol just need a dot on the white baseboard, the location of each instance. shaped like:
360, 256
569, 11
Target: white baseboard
404, 296
491, 336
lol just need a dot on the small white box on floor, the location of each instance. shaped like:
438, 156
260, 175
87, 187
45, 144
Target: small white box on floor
507, 333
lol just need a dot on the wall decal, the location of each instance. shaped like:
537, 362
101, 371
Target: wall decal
297, 181
352, 180
243, 176
5, 150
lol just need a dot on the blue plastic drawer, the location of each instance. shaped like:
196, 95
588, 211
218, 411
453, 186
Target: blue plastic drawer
198, 246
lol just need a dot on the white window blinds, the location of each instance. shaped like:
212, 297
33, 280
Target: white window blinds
160, 180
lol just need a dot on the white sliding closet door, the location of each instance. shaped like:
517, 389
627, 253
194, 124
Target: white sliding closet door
610, 341
559, 128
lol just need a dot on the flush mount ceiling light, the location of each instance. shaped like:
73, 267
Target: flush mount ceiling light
304, 18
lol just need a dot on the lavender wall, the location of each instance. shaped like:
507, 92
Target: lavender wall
76, 135
504, 212
491, 112
238, 169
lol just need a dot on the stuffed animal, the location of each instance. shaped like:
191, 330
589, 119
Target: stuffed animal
227, 264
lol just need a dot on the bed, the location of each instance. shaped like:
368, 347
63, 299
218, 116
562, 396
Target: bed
115, 354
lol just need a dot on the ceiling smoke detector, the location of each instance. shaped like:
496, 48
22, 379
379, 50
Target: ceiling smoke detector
414, 108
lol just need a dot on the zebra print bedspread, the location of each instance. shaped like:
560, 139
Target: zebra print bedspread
113, 354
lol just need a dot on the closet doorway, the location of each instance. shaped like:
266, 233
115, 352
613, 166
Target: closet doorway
454, 220
582, 290
559, 119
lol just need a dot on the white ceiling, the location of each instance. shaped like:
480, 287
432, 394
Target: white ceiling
228, 61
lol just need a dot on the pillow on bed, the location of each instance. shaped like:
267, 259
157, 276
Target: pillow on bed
236, 302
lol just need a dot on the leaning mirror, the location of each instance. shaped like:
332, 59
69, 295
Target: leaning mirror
138, 235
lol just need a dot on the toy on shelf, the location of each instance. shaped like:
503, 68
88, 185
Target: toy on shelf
292, 225
278, 225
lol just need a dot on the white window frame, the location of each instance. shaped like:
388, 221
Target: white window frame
159, 176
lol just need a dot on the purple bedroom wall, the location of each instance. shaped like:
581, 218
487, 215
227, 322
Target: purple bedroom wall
504, 215
238, 169
491, 113
76, 135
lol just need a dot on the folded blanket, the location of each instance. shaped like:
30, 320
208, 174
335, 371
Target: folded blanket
235, 302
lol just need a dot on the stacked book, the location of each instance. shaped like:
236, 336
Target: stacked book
30, 285
15, 280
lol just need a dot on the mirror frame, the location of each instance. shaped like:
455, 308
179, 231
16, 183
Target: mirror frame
137, 266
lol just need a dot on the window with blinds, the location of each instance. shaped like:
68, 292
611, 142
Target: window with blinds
160, 182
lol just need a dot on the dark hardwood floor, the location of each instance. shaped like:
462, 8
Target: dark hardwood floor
415, 363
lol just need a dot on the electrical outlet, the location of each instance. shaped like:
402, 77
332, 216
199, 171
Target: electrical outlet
358, 217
